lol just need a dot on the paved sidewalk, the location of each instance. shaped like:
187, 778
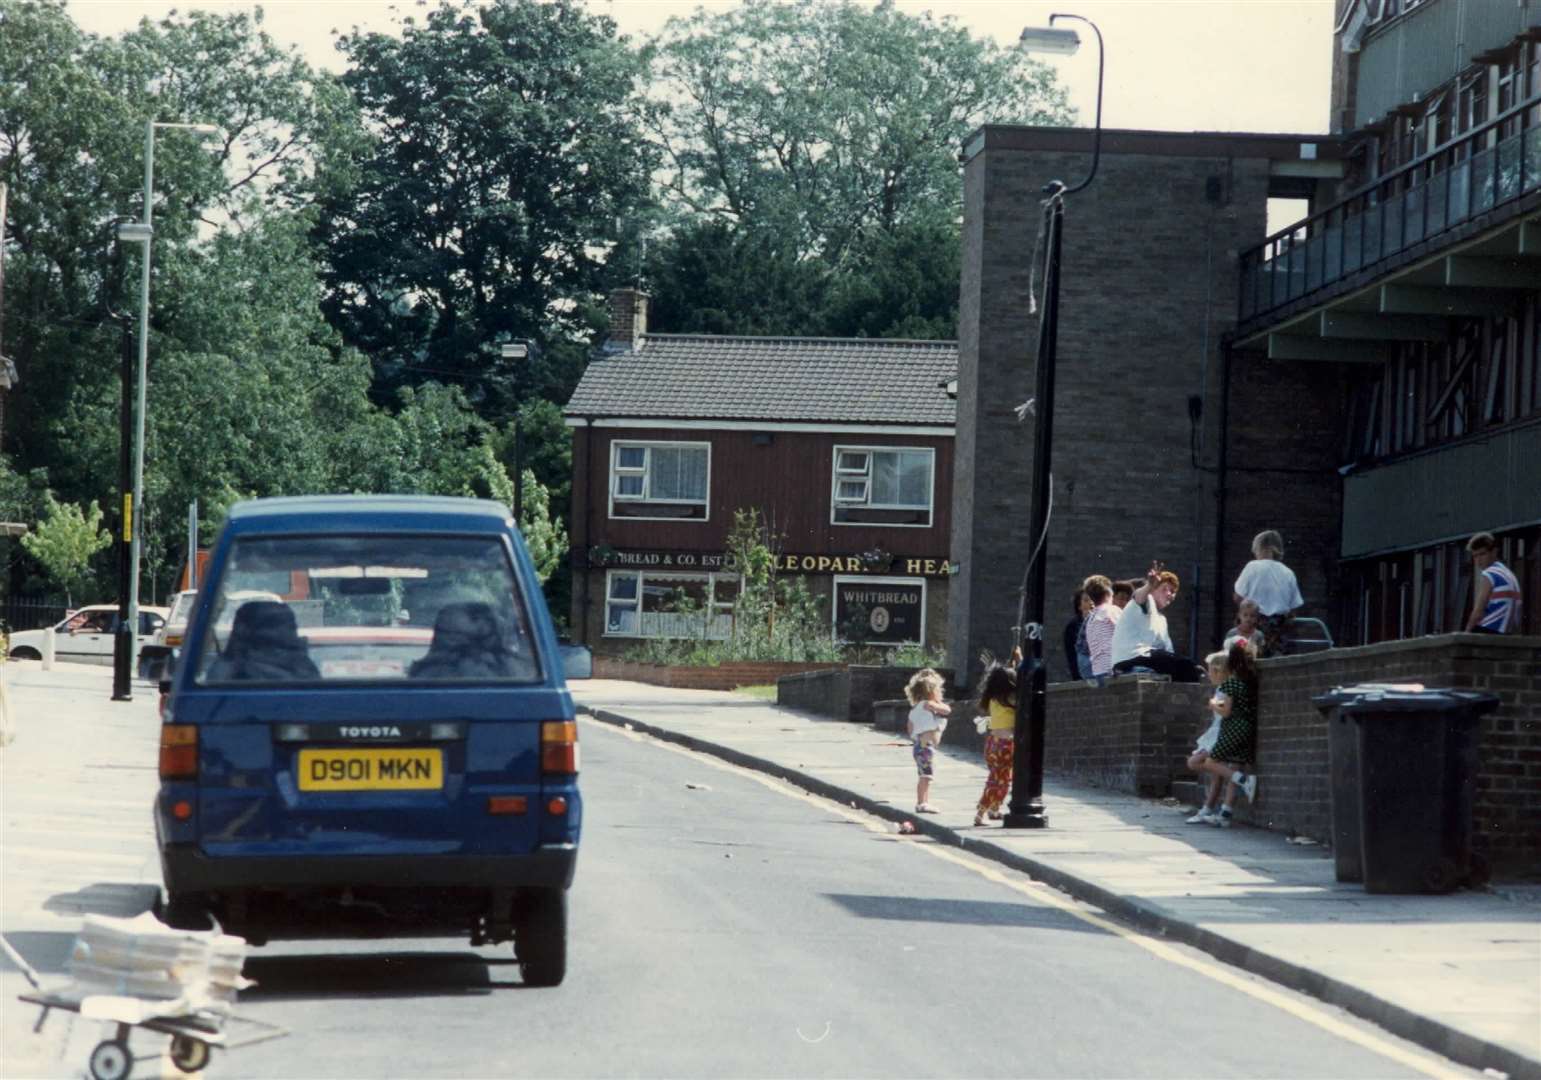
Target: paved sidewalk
76, 786
1459, 974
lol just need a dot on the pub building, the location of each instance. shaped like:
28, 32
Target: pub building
844, 446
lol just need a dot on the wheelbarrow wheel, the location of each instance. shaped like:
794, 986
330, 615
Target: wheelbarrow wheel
189, 1054
110, 1060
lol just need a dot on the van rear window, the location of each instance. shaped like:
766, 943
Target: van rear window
373, 608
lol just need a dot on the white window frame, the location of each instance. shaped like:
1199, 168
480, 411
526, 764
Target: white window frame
849, 475
862, 579
722, 613
647, 445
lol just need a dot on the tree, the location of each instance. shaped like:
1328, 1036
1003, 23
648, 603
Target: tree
814, 145
73, 108
503, 154
65, 541
544, 535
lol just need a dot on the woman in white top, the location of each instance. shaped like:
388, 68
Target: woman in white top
1271, 585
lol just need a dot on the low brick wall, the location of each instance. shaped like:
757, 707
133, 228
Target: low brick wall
1132, 735
1292, 734
823, 693
847, 694
727, 676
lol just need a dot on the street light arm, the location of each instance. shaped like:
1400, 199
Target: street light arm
1097, 130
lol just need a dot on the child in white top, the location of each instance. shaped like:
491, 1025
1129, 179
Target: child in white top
927, 720
1218, 670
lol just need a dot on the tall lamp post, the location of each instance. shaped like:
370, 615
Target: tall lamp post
133, 515
1025, 810
127, 231
517, 350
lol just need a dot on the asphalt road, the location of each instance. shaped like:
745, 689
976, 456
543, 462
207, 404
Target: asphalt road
726, 925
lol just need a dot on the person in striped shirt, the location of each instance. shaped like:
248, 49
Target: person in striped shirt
1101, 624
1495, 606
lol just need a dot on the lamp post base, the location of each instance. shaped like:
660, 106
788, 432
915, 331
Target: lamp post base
122, 649
1034, 817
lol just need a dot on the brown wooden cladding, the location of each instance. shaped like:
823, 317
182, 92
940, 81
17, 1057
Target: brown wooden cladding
788, 479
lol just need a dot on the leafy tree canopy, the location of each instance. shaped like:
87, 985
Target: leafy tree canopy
812, 147
503, 154
65, 540
73, 110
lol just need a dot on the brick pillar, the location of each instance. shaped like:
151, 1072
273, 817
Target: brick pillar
1149, 287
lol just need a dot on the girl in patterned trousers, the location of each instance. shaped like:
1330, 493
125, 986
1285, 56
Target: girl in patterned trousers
998, 709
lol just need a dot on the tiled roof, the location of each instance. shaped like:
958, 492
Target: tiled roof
831, 380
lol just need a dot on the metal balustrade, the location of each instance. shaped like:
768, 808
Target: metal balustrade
1424, 198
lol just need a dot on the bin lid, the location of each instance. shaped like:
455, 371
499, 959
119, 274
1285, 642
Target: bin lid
1406, 697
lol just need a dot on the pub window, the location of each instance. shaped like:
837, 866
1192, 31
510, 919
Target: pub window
875, 485
659, 480
651, 604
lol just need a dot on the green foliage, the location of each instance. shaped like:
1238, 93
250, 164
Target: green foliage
73, 109
544, 536
502, 153
811, 150
65, 540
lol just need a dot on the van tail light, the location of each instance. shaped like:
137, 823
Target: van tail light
559, 746
179, 752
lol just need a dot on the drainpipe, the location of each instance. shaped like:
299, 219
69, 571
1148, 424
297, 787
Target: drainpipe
1226, 356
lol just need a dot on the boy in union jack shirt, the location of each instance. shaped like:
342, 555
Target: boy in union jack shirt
1495, 608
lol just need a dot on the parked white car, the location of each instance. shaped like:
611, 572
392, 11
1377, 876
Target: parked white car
154, 653
84, 636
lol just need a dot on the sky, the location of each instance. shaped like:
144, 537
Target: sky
1170, 65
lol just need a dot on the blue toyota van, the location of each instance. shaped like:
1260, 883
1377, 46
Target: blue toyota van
369, 733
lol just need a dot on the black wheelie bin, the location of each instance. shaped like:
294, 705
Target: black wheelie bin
1403, 765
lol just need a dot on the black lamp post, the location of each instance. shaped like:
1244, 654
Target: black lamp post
1025, 809
127, 231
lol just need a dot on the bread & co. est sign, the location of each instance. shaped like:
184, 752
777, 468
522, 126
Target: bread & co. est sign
786, 562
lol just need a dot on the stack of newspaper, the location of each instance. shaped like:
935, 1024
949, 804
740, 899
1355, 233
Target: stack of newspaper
132, 969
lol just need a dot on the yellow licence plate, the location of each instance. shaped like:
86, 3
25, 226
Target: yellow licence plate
374, 769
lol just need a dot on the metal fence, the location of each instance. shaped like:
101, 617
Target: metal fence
30, 613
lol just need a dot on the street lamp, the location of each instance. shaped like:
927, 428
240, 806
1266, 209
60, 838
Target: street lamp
132, 512
1025, 810
517, 350
126, 231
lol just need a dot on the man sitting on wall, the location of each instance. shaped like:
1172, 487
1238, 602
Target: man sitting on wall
1141, 642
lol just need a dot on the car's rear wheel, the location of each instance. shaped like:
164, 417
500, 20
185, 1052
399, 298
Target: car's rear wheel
540, 937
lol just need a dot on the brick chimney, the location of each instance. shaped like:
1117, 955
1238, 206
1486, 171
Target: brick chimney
628, 320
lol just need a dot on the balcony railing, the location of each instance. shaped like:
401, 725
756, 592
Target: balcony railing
1428, 196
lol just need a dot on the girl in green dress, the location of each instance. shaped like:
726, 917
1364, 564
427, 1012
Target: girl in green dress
1235, 701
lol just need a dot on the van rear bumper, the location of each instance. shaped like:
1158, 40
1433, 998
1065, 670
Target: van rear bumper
187, 870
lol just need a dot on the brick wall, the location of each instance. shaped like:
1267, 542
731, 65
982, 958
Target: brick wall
823, 693
1292, 734
848, 694
1132, 735
1149, 288
727, 676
